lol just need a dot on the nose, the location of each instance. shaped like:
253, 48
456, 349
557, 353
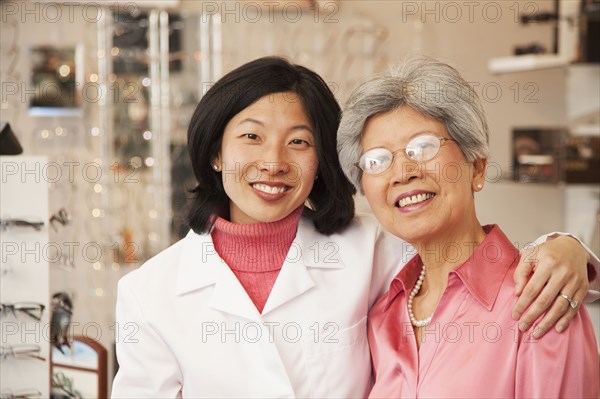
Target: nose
403, 170
274, 161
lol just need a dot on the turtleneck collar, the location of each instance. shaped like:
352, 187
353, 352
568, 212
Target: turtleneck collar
257, 247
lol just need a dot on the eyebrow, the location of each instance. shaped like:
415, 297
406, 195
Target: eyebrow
295, 127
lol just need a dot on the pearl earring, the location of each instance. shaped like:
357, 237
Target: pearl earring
216, 168
479, 186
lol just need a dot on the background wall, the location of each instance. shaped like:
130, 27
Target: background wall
345, 42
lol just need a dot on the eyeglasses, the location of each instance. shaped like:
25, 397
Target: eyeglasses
5, 224
21, 394
62, 217
31, 309
420, 149
21, 352
63, 386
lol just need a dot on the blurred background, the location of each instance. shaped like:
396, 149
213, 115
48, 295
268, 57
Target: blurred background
99, 95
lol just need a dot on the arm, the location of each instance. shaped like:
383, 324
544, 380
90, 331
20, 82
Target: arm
147, 367
390, 255
560, 365
546, 270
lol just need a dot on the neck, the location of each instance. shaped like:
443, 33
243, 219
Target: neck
444, 253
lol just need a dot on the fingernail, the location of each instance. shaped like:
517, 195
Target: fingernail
516, 315
537, 333
560, 328
524, 326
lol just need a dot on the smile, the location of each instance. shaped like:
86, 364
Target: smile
270, 189
414, 199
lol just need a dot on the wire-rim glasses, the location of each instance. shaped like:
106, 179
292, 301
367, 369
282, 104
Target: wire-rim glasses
421, 148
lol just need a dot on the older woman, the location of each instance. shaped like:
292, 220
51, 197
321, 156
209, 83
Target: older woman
416, 143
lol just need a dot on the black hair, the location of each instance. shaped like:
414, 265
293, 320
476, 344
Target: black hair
331, 196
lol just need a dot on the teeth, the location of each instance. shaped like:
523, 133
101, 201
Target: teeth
269, 189
415, 199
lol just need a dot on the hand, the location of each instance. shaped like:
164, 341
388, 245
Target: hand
559, 266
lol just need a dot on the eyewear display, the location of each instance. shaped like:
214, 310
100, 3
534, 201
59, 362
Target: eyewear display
21, 352
419, 149
21, 394
9, 223
65, 262
31, 309
62, 217
63, 386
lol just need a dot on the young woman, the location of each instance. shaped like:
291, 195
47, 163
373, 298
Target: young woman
268, 295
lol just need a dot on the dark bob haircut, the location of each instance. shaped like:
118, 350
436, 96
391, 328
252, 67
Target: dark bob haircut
331, 197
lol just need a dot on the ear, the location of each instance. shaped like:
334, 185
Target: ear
478, 180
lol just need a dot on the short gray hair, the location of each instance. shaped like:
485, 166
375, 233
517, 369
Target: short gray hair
428, 86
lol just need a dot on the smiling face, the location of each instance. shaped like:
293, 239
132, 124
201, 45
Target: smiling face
268, 159
420, 202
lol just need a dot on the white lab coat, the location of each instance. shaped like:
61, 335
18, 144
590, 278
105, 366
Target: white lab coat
186, 327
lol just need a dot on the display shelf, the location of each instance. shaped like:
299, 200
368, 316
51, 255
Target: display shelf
24, 196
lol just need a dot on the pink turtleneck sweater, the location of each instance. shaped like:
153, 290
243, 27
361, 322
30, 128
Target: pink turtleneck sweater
256, 252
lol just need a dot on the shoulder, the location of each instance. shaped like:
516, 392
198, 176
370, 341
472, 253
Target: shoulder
162, 268
362, 230
363, 224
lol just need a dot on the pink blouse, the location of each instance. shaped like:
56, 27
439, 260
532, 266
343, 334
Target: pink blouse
472, 348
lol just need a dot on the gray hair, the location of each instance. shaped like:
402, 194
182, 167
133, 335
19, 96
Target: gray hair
428, 86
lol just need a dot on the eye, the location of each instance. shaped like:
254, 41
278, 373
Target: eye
251, 136
423, 148
376, 161
299, 142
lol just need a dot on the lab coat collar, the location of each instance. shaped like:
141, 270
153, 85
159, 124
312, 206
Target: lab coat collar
200, 266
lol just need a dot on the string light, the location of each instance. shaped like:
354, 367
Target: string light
64, 70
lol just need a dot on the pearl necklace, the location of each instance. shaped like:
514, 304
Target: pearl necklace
413, 293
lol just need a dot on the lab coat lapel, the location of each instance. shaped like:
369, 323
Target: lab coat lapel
200, 266
308, 250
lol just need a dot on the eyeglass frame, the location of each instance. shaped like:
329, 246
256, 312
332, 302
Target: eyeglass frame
22, 307
20, 394
8, 223
393, 153
21, 352
62, 217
